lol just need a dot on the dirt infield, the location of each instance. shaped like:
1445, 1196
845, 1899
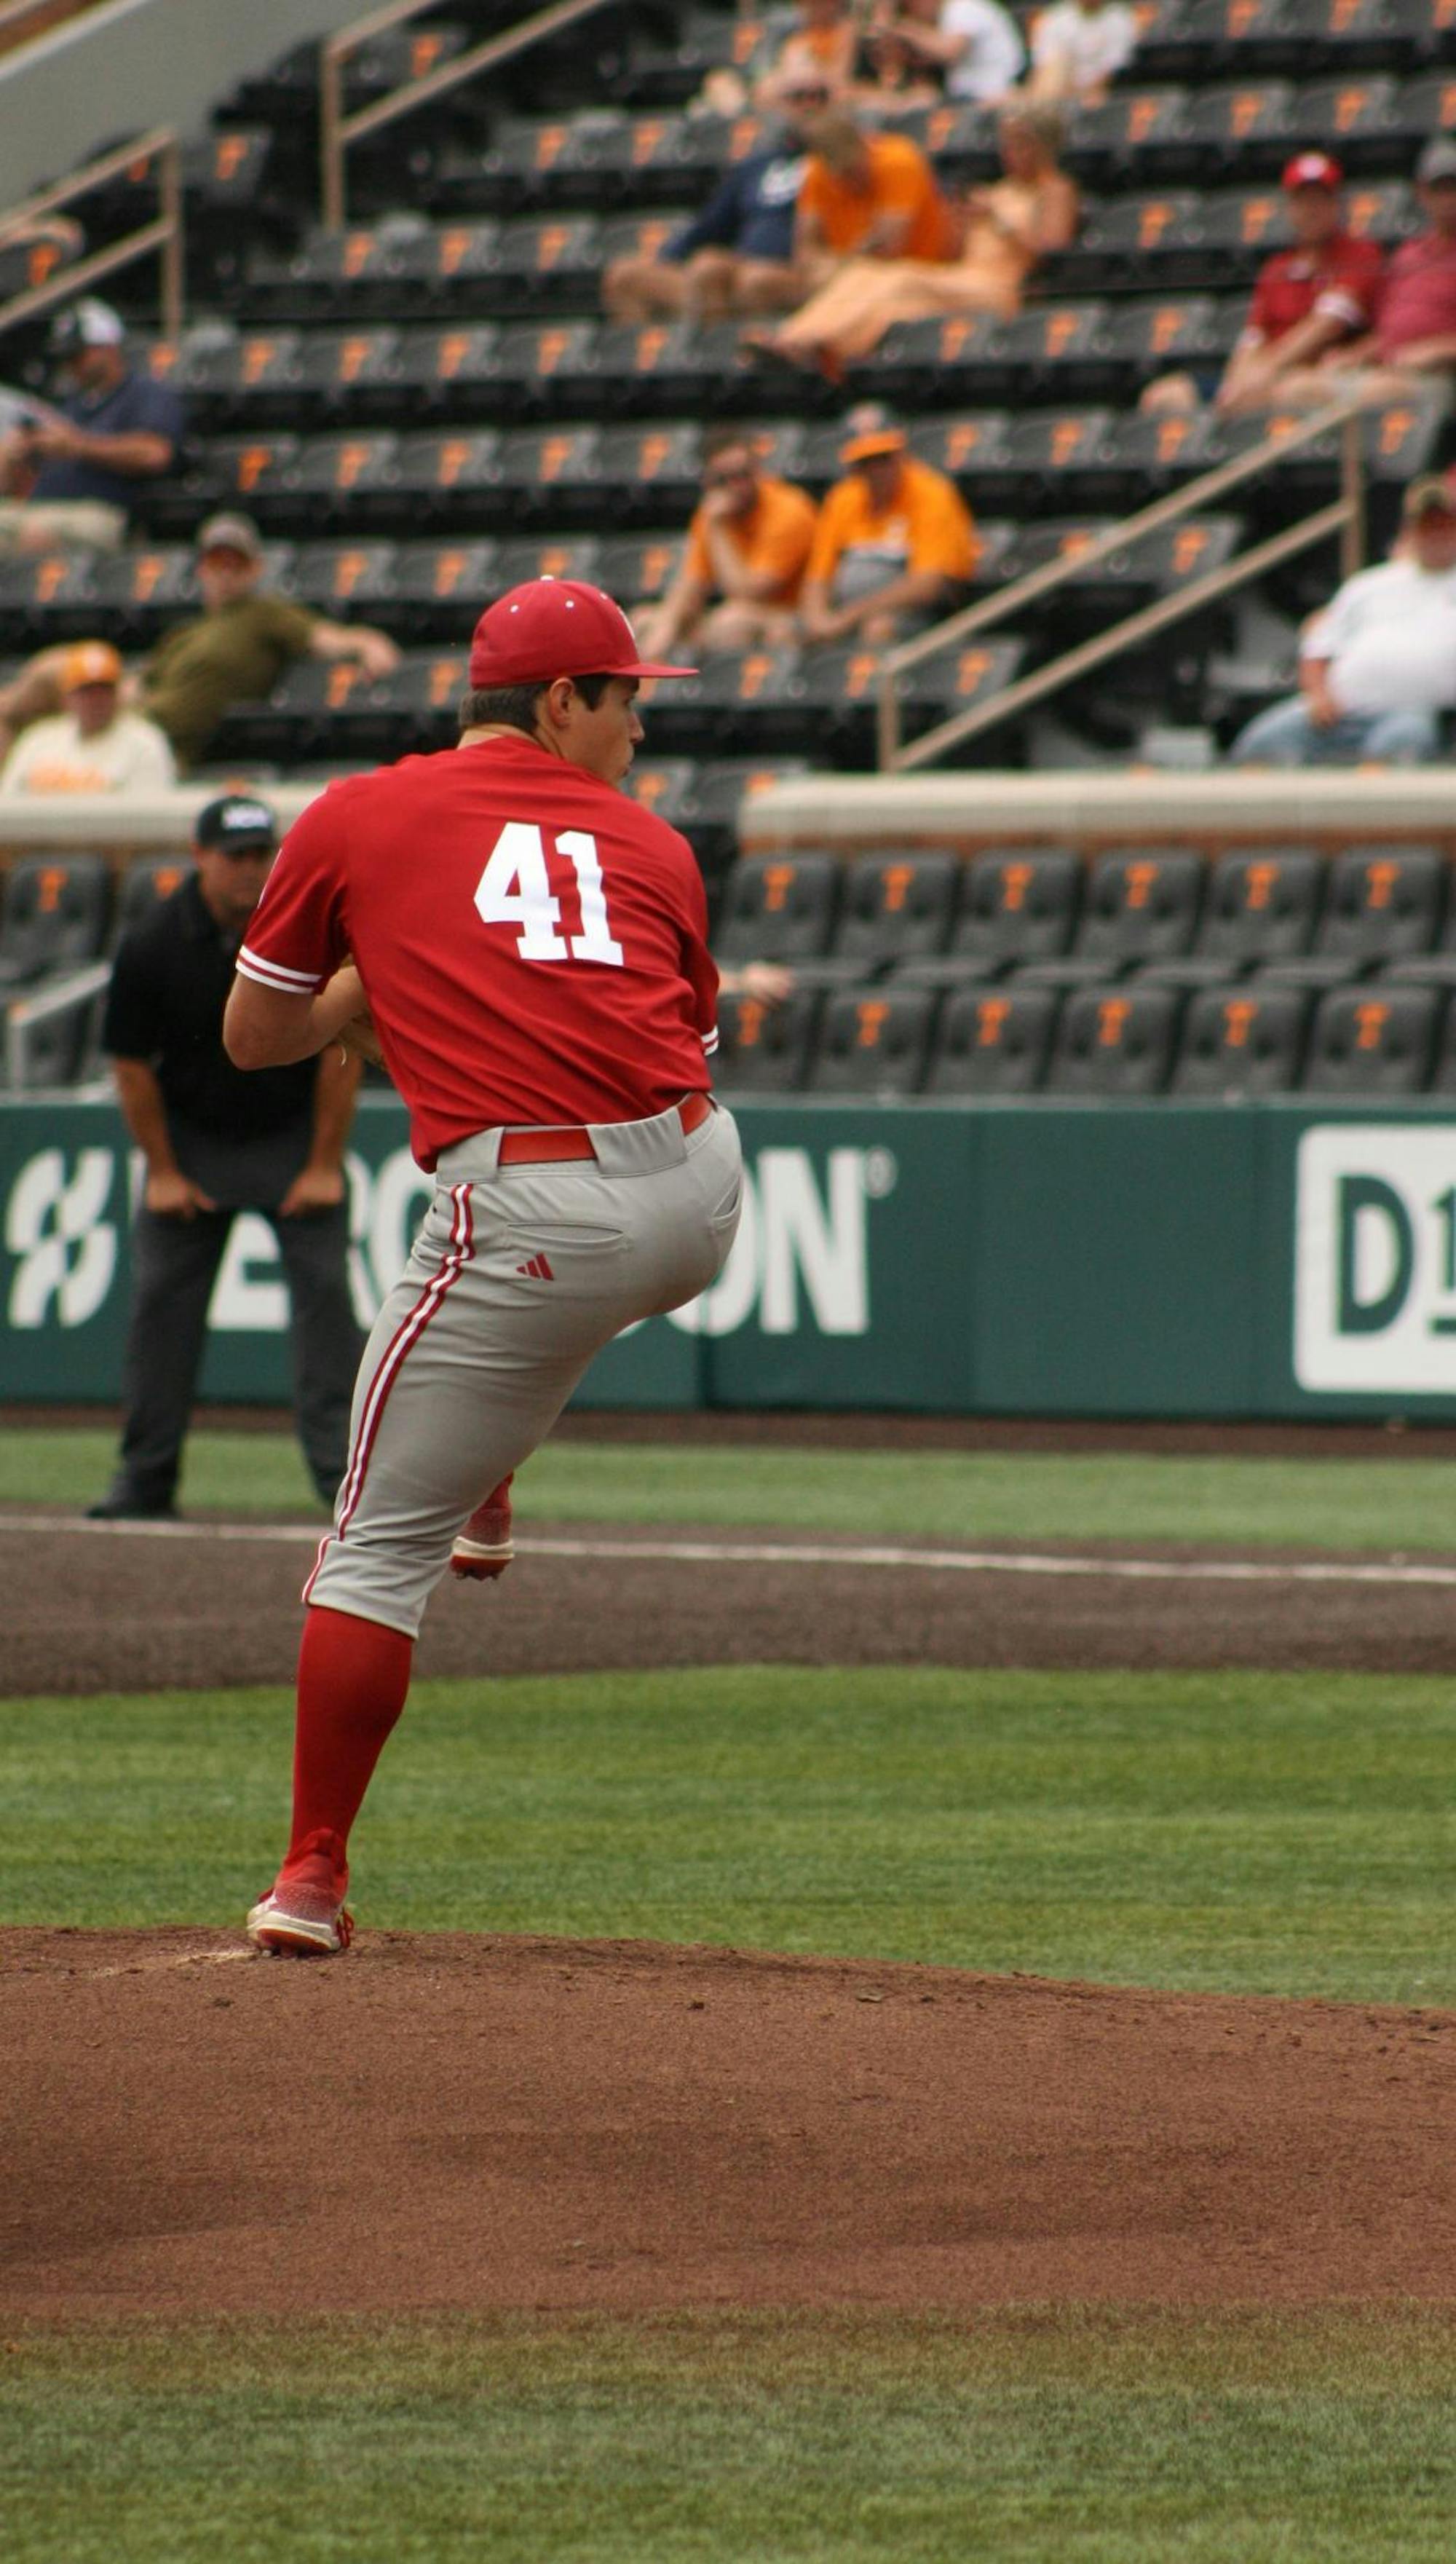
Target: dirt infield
485, 2123
480, 2123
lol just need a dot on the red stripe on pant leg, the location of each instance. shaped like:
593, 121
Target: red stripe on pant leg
406, 1334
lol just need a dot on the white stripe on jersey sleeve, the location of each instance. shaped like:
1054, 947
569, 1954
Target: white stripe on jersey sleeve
710, 1041
272, 974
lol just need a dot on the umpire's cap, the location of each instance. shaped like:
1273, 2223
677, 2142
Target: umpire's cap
238, 823
557, 627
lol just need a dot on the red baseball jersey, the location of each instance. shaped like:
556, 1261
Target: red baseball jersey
1342, 280
533, 943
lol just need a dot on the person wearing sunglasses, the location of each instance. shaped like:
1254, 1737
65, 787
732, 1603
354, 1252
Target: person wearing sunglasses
749, 544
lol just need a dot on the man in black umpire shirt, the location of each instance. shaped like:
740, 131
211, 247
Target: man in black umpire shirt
215, 1142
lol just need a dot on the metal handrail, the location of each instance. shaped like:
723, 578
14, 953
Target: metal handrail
1345, 515
337, 130
13, 13
164, 233
82, 988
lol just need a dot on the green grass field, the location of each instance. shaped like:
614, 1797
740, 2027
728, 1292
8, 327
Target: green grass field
1038, 2435
1250, 1833
1398, 1504
1271, 1833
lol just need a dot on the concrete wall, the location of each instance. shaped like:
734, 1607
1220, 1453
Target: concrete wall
134, 64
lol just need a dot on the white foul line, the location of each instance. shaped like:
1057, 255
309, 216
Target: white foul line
730, 1553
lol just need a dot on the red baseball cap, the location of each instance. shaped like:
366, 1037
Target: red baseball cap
1312, 169
557, 627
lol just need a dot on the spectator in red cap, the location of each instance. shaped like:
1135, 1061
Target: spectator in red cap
1411, 349
1308, 301
93, 743
532, 946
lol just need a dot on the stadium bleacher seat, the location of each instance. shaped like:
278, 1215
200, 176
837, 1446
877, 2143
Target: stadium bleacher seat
779, 908
895, 907
1260, 910
1373, 1041
765, 1050
146, 880
53, 911
1141, 906
873, 1041
1017, 905
1385, 904
1115, 1041
1243, 1039
992, 1039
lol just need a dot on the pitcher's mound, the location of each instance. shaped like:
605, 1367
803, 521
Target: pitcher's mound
450, 2121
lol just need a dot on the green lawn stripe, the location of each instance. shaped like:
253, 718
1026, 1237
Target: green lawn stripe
1109, 2437
1244, 1831
1404, 1505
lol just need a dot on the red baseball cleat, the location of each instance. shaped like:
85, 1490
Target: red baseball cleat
303, 1914
485, 1547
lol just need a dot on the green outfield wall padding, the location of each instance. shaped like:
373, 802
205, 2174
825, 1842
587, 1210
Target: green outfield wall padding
1026, 1257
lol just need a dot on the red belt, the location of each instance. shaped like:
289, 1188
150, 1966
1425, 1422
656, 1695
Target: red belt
551, 1148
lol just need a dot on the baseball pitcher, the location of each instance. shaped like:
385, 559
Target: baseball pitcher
529, 948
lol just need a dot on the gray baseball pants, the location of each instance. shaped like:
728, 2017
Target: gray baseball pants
518, 1276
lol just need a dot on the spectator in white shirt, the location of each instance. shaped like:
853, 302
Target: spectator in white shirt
973, 45
1079, 49
1378, 667
91, 745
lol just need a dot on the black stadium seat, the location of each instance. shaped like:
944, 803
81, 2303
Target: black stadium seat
51, 596
357, 578
1141, 906
897, 907
53, 914
1385, 904
992, 1039
1244, 1040
1260, 910
1018, 904
450, 478
438, 588
1115, 1041
447, 371
779, 908
146, 880
873, 1041
763, 1049
1373, 1041
523, 557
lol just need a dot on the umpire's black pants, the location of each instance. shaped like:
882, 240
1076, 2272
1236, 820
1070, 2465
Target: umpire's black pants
174, 1267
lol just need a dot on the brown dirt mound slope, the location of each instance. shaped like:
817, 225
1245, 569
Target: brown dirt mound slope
199, 1610
453, 2122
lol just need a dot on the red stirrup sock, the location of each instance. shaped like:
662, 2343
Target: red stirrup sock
352, 1679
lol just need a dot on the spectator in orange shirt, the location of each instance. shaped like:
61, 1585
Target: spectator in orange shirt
748, 546
866, 195
1031, 212
895, 544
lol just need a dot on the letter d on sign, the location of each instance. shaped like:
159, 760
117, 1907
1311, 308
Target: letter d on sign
1363, 1201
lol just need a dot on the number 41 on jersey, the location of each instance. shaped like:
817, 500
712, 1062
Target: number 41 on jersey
515, 890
